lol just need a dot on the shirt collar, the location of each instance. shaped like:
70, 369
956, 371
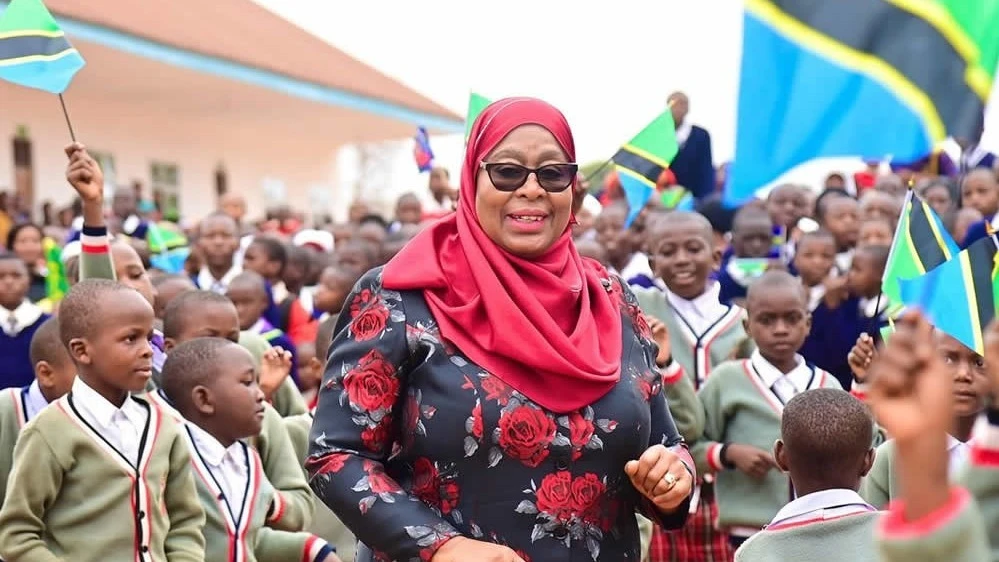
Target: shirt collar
683, 132
35, 401
26, 314
800, 376
211, 450
102, 411
701, 303
207, 281
817, 501
637, 265
279, 292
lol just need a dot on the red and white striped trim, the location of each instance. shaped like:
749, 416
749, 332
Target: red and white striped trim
94, 244
22, 416
673, 373
859, 390
714, 457
985, 443
313, 548
895, 526
280, 507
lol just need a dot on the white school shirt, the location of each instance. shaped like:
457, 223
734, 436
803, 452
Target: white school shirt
34, 402
229, 465
207, 282
121, 427
15, 321
826, 504
700, 312
637, 265
957, 454
784, 386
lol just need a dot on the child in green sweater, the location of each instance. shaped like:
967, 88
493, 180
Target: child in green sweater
825, 446
54, 375
743, 402
197, 314
213, 383
101, 474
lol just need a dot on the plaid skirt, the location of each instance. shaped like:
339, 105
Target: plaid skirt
698, 540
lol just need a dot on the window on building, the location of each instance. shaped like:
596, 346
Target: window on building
106, 161
166, 189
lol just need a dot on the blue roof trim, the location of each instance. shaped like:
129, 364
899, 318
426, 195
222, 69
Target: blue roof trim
217, 66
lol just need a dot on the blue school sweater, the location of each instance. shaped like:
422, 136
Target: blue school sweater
693, 165
977, 231
277, 338
834, 333
16, 369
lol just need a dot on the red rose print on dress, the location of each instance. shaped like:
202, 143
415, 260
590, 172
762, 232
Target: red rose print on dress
524, 432
330, 463
437, 488
473, 426
577, 505
429, 539
582, 431
377, 437
414, 414
495, 389
370, 315
371, 386
379, 484
647, 383
639, 322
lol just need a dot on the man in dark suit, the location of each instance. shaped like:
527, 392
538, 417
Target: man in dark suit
693, 166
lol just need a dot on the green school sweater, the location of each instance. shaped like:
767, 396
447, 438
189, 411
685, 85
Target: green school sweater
739, 409
239, 532
324, 524
848, 538
294, 502
287, 400
12, 420
956, 533
880, 486
71, 497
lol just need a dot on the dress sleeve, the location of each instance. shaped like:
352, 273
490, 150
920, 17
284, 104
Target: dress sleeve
663, 429
355, 429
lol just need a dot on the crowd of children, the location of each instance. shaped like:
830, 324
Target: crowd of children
181, 401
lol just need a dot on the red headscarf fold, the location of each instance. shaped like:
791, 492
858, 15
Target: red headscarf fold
545, 326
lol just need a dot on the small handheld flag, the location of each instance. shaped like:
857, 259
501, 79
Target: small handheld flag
642, 160
476, 104
422, 152
34, 51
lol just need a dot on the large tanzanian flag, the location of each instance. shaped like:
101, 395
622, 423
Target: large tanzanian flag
868, 78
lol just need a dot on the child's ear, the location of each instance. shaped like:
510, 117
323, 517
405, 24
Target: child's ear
780, 455
716, 258
44, 373
168, 344
79, 351
808, 321
202, 400
745, 324
317, 364
868, 461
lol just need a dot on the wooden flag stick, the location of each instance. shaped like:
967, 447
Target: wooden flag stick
65, 113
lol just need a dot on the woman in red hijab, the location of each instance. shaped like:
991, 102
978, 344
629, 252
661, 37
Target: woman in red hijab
489, 394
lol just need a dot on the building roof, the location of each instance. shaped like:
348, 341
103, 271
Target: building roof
247, 33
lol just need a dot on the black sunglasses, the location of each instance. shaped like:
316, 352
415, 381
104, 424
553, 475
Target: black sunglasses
553, 178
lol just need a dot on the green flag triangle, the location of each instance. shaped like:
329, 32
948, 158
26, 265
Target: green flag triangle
476, 103
29, 16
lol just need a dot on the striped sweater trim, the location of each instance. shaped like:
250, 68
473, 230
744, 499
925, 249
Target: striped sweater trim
94, 240
714, 457
985, 443
894, 524
673, 373
316, 550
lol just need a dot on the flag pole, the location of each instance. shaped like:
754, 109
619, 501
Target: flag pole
65, 114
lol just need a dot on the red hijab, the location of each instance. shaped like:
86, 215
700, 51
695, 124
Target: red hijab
545, 326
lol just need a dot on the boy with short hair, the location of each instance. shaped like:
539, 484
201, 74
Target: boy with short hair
825, 446
839, 214
19, 319
752, 238
54, 374
167, 288
212, 383
814, 260
743, 402
218, 244
980, 191
66, 496
703, 332
623, 246
248, 292
206, 314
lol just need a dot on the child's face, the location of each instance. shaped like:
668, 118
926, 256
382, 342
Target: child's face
864, 277
372, 233
409, 211
169, 290
130, 272
684, 258
255, 259
842, 220
611, 234
875, 233
786, 205
297, 270
779, 323
331, 292
13, 283
118, 355
753, 238
28, 245
250, 303
215, 320
980, 193
218, 241
938, 198
880, 206
310, 368
971, 378
353, 257
965, 218
814, 259
238, 400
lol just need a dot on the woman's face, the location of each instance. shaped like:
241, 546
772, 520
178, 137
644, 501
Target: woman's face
525, 222
28, 245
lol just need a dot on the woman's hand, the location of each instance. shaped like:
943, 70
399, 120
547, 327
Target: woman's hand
462, 549
860, 357
661, 476
660, 335
275, 365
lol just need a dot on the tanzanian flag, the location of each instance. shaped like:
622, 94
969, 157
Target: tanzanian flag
34, 51
476, 103
959, 296
921, 243
640, 162
867, 78
56, 284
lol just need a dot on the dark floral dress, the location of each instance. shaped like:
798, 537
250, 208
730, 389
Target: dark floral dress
413, 444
